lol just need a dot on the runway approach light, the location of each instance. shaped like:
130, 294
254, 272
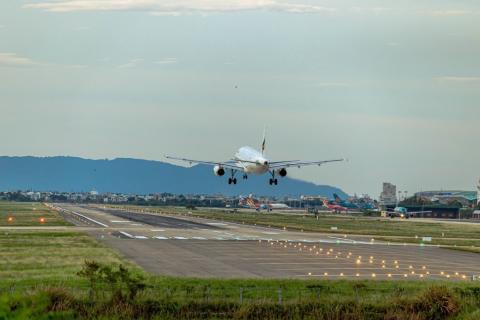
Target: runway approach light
10, 219
42, 220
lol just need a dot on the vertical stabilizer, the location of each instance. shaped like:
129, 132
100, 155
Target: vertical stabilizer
264, 139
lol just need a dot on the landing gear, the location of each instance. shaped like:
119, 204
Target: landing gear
273, 180
232, 179
245, 177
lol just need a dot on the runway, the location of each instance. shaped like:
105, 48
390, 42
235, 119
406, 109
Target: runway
192, 247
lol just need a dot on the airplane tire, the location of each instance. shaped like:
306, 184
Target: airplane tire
234, 180
270, 181
275, 181
229, 180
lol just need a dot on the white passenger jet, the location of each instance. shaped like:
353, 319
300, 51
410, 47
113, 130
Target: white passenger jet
250, 161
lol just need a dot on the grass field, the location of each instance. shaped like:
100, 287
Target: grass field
28, 214
42, 257
465, 236
39, 280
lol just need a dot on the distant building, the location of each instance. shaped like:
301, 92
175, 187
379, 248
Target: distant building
478, 193
476, 215
447, 197
388, 196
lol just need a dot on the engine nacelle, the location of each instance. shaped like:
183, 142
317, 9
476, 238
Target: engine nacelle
282, 172
219, 171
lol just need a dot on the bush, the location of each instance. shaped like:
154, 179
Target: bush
437, 303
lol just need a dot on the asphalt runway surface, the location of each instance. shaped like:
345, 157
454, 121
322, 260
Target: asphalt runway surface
192, 247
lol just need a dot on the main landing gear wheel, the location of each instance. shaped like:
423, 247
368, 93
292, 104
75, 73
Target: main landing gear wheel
273, 181
232, 180
245, 177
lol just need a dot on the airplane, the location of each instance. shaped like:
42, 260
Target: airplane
344, 203
402, 212
250, 161
364, 203
334, 207
252, 203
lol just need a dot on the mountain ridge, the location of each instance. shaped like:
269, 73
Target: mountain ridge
138, 176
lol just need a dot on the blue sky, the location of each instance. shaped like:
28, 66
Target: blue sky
392, 85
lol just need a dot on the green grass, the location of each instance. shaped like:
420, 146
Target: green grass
17, 214
40, 257
466, 236
173, 298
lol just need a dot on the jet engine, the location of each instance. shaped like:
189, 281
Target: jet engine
219, 171
282, 172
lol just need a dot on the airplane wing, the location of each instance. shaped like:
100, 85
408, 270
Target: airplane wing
299, 163
225, 164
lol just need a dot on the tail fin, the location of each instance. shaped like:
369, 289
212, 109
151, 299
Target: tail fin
264, 139
336, 197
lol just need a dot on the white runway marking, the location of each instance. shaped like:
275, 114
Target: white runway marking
119, 221
89, 219
136, 224
141, 237
217, 224
271, 233
161, 238
157, 230
199, 238
128, 235
180, 238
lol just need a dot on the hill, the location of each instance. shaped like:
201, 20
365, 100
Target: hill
136, 176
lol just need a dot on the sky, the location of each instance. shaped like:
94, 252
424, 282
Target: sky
394, 86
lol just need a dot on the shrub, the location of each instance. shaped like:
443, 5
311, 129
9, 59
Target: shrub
437, 303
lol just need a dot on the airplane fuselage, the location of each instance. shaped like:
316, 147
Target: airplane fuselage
252, 161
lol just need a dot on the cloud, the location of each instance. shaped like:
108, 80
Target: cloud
370, 10
131, 64
167, 61
176, 7
458, 79
14, 60
457, 12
